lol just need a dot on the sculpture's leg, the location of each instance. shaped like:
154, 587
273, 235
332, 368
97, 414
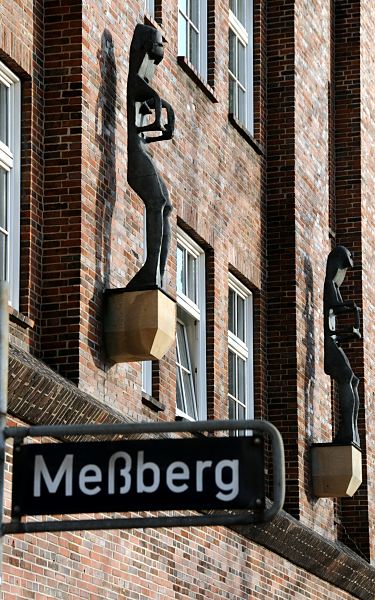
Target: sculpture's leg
347, 398
355, 383
166, 235
148, 276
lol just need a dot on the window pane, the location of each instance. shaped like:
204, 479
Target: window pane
241, 412
179, 391
194, 49
150, 7
232, 408
232, 96
4, 91
231, 312
232, 373
189, 395
183, 6
241, 379
240, 318
241, 75
181, 347
194, 12
3, 256
180, 270
192, 278
241, 12
232, 52
182, 35
241, 105
3, 199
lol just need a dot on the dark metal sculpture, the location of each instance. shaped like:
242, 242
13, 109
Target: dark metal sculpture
336, 363
146, 51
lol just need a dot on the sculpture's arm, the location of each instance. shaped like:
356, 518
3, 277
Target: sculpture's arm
346, 308
150, 98
168, 126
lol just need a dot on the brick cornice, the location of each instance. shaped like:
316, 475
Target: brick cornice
39, 395
331, 561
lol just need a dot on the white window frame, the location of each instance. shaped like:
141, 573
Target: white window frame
150, 7
244, 35
243, 348
10, 161
201, 29
193, 316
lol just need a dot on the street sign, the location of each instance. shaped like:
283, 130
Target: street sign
121, 476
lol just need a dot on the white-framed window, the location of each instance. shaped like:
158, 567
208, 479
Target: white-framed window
192, 33
240, 351
10, 135
241, 61
150, 7
191, 330
147, 377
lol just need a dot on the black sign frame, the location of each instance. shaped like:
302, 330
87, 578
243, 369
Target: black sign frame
247, 511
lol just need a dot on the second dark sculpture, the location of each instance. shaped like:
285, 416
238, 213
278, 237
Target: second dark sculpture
336, 363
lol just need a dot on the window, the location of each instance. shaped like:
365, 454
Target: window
190, 335
241, 62
147, 377
240, 351
10, 110
150, 7
192, 33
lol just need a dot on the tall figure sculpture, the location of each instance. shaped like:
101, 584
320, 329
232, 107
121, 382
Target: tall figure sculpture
146, 51
336, 363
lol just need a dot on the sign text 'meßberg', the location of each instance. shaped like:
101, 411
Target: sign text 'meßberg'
208, 473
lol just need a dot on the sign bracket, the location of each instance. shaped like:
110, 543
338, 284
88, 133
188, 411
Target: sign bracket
208, 518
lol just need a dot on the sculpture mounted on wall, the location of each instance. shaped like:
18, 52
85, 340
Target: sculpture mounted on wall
143, 102
336, 363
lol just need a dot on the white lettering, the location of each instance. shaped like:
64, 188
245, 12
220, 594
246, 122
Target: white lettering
201, 466
232, 486
85, 478
125, 472
65, 469
176, 471
141, 468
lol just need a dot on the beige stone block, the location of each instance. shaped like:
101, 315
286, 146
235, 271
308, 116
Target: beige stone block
139, 325
336, 470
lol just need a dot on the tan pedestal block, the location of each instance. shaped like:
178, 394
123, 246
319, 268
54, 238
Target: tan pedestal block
336, 470
138, 325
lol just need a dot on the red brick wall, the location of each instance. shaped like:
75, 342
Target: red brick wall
265, 217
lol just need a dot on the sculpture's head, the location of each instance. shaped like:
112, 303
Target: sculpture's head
148, 40
339, 260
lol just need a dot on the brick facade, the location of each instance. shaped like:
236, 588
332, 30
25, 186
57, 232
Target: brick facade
268, 208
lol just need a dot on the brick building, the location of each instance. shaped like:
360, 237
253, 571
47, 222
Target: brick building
271, 166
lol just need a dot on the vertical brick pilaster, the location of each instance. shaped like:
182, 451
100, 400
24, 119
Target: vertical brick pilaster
281, 288
62, 181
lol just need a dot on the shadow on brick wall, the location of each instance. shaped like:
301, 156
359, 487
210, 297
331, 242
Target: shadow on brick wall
105, 134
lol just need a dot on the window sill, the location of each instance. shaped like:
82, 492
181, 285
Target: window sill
152, 403
246, 134
151, 21
20, 319
186, 66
